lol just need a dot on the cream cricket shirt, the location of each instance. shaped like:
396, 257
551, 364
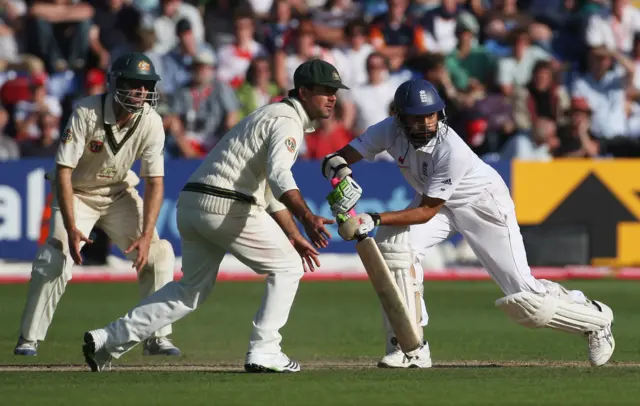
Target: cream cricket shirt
255, 157
449, 170
102, 154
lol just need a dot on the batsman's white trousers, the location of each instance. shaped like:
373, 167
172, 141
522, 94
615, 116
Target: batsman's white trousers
120, 217
490, 227
251, 235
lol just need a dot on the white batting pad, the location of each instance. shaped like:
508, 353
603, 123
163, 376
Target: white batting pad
393, 243
558, 309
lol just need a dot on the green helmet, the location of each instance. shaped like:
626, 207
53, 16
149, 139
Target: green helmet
133, 79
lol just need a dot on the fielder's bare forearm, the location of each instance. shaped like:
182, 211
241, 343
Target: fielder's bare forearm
64, 195
295, 203
285, 220
153, 196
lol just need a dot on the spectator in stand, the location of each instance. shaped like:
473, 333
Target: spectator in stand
615, 29
603, 86
471, 67
11, 16
506, 11
59, 33
46, 145
140, 38
167, 16
331, 19
396, 35
305, 48
330, 136
177, 64
539, 145
372, 99
515, 71
546, 98
277, 32
106, 32
9, 149
29, 114
356, 51
234, 59
202, 112
576, 139
440, 26
259, 88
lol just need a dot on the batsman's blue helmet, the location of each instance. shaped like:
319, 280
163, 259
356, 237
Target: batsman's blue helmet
418, 97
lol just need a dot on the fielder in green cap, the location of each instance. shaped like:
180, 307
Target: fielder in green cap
242, 200
316, 83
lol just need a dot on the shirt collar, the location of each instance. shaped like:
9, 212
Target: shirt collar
109, 113
429, 146
308, 125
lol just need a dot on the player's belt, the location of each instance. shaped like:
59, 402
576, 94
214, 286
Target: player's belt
218, 192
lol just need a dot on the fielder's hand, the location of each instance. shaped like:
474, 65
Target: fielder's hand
358, 226
308, 254
142, 244
75, 238
315, 228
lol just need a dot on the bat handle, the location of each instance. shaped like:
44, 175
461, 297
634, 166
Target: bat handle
334, 182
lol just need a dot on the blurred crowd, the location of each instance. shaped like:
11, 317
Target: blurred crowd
527, 79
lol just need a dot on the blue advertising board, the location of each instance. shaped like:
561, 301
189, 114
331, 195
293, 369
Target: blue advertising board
23, 191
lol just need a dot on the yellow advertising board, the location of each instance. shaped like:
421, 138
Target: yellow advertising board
603, 195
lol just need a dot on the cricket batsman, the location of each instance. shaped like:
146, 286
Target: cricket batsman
456, 191
93, 185
241, 200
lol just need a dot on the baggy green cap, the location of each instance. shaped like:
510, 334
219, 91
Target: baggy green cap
317, 72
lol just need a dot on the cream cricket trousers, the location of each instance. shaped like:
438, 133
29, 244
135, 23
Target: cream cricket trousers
490, 227
252, 236
120, 216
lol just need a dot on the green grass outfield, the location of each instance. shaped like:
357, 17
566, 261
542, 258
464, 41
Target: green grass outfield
480, 357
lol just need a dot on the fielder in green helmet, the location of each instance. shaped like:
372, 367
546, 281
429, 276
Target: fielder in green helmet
132, 80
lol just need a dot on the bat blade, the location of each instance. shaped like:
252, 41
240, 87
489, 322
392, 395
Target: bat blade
389, 294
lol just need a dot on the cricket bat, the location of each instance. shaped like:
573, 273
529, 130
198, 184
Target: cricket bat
403, 324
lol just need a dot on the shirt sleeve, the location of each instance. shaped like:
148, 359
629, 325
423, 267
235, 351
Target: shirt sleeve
448, 170
273, 205
152, 159
282, 151
377, 138
72, 140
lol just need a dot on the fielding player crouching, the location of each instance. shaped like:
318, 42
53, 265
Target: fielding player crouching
93, 185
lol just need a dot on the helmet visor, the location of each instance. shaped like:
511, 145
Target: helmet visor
132, 94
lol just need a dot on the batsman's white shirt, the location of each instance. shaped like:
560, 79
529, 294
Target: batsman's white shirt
102, 154
477, 201
448, 170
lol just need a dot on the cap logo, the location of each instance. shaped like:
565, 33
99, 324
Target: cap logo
336, 76
425, 98
144, 65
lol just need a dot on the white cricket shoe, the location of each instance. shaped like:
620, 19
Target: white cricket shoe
601, 342
25, 347
398, 359
256, 362
98, 359
159, 346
